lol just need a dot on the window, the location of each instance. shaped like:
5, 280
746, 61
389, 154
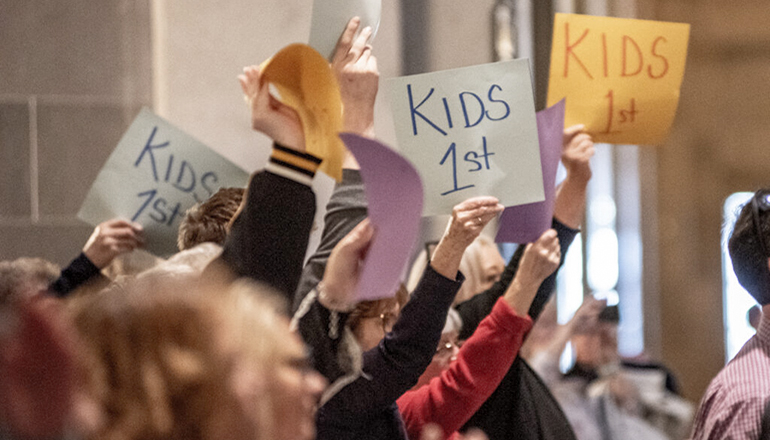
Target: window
736, 300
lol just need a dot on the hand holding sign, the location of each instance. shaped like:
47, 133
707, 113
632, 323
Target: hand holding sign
468, 220
358, 77
303, 80
268, 115
112, 238
394, 195
331, 16
621, 76
578, 150
343, 271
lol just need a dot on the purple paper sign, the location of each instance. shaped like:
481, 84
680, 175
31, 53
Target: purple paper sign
394, 193
525, 223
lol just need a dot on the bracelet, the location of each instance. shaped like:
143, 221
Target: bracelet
332, 303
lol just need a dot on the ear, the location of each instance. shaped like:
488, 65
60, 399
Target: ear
37, 377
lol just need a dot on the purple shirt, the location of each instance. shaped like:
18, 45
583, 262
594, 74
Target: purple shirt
734, 401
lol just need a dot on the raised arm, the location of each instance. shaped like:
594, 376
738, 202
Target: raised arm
450, 399
396, 363
356, 71
546, 360
358, 77
570, 202
109, 239
569, 208
269, 234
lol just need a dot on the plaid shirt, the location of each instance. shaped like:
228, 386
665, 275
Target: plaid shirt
734, 402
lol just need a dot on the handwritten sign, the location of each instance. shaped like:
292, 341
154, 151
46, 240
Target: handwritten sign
153, 176
303, 80
621, 77
331, 16
525, 223
470, 132
394, 195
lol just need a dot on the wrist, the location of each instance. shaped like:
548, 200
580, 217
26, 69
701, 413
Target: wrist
98, 261
359, 122
518, 297
578, 174
331, 302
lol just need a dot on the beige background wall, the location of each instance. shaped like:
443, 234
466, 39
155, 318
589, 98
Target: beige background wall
72, 76
719, 145
199, 52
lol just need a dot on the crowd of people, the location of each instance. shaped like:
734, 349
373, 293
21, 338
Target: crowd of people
238, 337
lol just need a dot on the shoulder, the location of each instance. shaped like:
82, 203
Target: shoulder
732, 405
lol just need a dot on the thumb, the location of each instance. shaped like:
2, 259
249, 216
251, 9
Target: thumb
359, 239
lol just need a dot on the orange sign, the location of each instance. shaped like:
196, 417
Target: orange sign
621, 77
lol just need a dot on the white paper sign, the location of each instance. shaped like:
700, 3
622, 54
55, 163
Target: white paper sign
331, 16
470, 132
153, 176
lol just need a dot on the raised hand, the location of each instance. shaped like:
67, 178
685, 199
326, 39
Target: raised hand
540, 259
344, 268
587, 315
577, 150
358, 77
268, 115
112, 238
468, 220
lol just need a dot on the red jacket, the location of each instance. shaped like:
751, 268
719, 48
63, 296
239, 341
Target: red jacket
450, 399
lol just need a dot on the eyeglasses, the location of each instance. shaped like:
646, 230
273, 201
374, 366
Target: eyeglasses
760, 203
388, 320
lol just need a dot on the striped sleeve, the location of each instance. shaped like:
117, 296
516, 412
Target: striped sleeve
292, 164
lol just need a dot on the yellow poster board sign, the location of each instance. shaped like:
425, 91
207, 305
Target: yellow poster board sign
305, 82
621, 77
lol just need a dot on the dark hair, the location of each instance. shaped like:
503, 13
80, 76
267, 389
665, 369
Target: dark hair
208, 221
746, 247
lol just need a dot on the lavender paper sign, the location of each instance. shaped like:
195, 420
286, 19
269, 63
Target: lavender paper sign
394, 192
525, 223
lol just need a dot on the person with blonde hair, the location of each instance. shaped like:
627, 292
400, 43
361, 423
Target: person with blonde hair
169, 358
481, 264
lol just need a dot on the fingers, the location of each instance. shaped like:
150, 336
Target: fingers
250, 81
477, 211
570, 132
475, 203
244, 84
371, 62
358, 240
549, 242
545, 255
346, 41
123, 231
360, 45
352, 49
